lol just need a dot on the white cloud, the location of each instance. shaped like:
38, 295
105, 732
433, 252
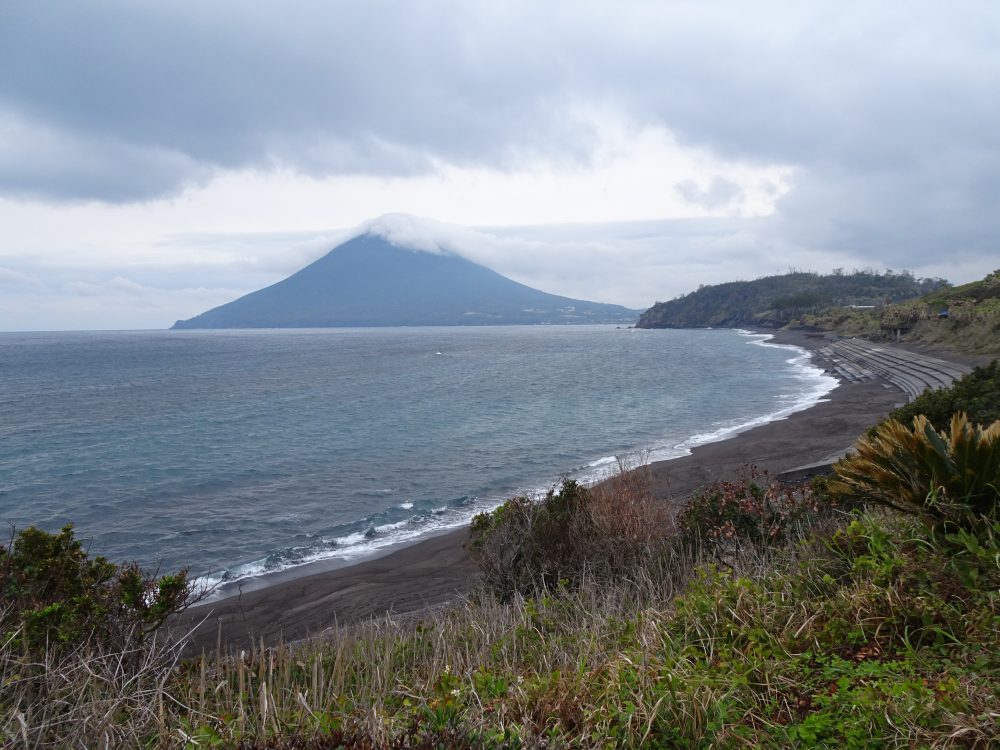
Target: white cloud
117, 286
11, 278
115, 303
718, 193
412, 233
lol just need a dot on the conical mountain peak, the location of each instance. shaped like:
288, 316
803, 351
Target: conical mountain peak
400, 271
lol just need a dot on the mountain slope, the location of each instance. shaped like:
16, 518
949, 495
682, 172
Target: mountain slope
368, 281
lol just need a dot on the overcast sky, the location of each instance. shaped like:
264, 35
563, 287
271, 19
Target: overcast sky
161, 158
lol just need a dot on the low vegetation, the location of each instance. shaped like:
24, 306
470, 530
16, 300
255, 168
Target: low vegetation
949, 479
860, 637
570, 535
754, 509
861, 611
80, 660
60, 599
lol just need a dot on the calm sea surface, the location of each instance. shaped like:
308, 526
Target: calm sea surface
234, 453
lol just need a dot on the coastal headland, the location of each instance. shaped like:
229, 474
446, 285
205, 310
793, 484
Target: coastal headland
438, 570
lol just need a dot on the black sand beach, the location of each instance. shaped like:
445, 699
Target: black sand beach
438, 570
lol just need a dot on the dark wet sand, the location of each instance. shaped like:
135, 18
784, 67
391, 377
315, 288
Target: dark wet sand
438, 570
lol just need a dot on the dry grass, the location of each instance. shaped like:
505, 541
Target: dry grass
529, 664
88, 697
623, 506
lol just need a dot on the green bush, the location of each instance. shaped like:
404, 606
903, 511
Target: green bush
60, 598
618, 527
753, 509
525, 545
950, 479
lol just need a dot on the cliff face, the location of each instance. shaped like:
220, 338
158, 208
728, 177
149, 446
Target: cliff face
368, 281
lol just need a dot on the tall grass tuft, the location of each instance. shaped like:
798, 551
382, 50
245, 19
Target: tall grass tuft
91, 695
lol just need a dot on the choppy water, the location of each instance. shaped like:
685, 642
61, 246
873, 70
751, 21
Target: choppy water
238, 452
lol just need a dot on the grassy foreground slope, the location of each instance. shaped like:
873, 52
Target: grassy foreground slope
864, 637
861, 634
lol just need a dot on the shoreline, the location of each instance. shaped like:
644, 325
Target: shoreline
600, 471
434, 571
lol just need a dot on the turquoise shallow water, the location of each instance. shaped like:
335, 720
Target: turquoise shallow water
235, 453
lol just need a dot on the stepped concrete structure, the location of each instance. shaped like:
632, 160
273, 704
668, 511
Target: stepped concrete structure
859, 360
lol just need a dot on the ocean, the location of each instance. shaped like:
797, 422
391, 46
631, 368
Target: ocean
239, 453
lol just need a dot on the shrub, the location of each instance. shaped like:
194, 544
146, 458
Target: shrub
951, 480
753, 509
526, 544
60, 598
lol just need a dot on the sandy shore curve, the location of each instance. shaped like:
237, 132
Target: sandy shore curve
438, 570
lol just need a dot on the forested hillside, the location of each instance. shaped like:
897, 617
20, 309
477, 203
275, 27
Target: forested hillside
775, 301
964, 318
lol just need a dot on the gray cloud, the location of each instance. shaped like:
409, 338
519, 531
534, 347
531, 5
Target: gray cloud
373, 88
888, 114
40, 161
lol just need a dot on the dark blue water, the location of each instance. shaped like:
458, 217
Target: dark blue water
235, 453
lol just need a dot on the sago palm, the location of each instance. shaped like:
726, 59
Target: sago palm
946, 478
